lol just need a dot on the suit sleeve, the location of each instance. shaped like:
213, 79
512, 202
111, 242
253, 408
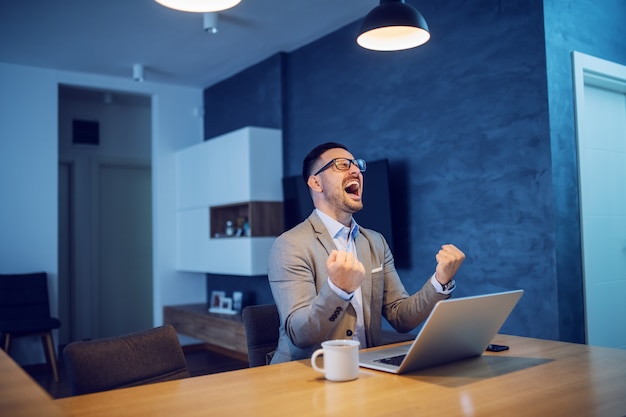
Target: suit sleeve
308, 307
403, 311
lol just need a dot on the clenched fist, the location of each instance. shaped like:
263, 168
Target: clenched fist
345, 270
449, 259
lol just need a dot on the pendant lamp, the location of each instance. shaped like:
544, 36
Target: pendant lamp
199, 6
393, 25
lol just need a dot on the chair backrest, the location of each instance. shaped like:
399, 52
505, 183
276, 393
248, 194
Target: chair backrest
261, 324
24, 296
145, 357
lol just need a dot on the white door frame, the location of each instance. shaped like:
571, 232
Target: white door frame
593, 72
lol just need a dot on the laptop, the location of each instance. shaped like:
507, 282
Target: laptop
456, 329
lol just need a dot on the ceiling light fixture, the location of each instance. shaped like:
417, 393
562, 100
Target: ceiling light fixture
209, 21
138, 73
199, 6
393, 26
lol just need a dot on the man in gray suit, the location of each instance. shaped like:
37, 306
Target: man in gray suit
332, 279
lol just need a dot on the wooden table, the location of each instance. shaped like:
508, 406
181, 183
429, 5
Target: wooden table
20, 396
534, 378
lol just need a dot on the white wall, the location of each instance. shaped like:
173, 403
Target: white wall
29, 172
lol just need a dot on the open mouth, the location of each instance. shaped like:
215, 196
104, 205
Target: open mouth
353, 187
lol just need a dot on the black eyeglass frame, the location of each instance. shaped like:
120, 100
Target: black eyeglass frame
360, 163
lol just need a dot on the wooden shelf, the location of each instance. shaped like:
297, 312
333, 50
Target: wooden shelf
221, 330
265, 218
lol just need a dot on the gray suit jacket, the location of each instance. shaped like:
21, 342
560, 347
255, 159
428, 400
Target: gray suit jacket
310, 312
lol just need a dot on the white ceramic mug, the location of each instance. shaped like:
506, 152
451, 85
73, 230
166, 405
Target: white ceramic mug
341, 359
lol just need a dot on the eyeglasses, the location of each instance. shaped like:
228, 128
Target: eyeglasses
343, 164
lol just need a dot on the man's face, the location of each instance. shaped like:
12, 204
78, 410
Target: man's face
342, 190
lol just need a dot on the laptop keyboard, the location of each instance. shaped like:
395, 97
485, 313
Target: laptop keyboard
393, 360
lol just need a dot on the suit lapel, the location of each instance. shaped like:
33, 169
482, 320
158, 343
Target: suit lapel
321, 233
364, 255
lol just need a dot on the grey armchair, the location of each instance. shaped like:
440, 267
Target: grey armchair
145, 357
261, 323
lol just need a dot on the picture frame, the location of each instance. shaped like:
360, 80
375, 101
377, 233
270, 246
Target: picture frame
227, 303
216, 299
220, 304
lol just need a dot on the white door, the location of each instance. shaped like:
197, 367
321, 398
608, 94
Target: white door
600, 89
124, 248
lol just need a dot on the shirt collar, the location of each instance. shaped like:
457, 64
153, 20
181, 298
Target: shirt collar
335, 228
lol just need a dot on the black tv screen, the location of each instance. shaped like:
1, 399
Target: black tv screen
376, 213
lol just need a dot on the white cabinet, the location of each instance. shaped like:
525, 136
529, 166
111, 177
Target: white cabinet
231, 177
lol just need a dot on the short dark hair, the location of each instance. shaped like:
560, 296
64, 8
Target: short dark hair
309, 160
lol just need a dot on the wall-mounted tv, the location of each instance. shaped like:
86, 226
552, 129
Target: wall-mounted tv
376, 213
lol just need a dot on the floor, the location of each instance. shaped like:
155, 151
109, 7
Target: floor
200, 361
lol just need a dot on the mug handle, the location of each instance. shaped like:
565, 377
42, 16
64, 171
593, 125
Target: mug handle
314, 357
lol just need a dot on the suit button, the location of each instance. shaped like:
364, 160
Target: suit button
349, 332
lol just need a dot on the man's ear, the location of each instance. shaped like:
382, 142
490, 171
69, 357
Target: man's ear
314, 183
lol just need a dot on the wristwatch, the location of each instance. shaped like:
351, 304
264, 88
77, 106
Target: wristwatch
448, 286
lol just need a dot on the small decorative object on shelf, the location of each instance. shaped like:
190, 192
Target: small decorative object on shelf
221, 304
229, 228
246, 227
237, 300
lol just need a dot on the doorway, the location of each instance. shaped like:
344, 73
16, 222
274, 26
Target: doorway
600, 93
105, 214
124, 239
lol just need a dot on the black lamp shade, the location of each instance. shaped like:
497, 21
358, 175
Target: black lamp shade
393, 25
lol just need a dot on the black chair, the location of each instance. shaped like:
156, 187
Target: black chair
25, 311
261, 324
144, 357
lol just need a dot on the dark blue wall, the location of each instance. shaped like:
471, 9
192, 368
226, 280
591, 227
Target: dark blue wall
253, 98
464, 123
465, 119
